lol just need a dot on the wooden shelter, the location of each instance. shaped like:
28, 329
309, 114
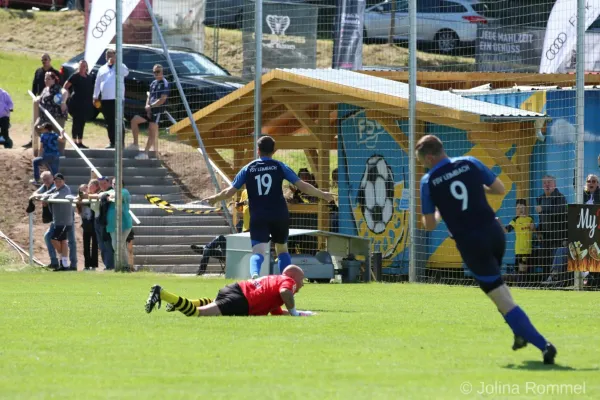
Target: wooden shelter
299, 109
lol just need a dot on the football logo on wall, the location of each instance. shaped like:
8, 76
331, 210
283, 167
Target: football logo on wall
376, 194
278, 24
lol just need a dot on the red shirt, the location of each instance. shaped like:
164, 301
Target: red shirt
263, 293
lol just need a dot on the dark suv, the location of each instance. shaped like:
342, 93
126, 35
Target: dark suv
203, 81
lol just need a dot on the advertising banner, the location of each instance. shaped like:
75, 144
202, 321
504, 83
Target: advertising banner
584, 237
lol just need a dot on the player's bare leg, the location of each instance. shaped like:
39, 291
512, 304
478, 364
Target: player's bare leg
519, 322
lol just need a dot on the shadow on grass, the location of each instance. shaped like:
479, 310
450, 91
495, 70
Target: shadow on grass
540, 366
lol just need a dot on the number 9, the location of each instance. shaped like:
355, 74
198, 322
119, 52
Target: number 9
461, 195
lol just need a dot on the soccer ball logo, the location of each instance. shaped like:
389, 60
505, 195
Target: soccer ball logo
376, 194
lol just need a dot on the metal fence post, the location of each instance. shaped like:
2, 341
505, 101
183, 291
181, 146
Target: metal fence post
580, 107
412, 112
31, 238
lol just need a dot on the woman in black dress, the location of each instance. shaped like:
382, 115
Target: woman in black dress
81, 84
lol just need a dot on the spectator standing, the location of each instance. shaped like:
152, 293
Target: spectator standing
38, 84
80, 105
54, 100
6, 107
552, 228
126, 221
130, 239
155, 109
62, 218
49, 153
524, 227
105, 88
102, 236
591, 193
90, 243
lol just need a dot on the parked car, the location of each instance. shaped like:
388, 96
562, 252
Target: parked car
203, 80
447, 24
41, 4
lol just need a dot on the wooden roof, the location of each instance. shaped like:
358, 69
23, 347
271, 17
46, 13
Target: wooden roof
293, 102
498, 80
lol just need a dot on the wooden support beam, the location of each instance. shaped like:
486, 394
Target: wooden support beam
313, 159
522, 157
302, 116
389, 123
325, 133
221, 162
296, 142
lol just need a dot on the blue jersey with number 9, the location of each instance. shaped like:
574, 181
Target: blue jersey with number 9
455, 187
264, 182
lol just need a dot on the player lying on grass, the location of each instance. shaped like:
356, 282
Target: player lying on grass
454, 190
261, 296
269, 217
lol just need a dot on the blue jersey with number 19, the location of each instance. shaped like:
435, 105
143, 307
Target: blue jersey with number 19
455, 187
264, 179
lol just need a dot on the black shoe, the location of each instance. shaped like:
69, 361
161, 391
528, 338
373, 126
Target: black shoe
153, 298
110, 146
52, 266
170, 307
82, 146
519, 343
197, 248
61, 269
201, 272
27, 145
549, 353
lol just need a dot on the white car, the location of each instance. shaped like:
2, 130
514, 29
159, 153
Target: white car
446, 23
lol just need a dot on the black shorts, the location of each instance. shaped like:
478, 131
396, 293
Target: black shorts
482, 250
263, 230
232, 302
60, 232
131, 236
155, 116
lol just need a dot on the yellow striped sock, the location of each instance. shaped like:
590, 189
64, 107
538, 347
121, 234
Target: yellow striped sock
168, 296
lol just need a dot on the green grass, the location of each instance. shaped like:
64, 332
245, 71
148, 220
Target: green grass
80, 335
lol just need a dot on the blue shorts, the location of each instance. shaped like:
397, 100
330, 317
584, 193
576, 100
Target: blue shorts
482, 250
263, 230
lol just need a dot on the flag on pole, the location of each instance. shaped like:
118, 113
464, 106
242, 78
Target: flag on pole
102, 26
560, 41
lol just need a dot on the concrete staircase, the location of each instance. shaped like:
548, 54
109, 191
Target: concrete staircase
162, 241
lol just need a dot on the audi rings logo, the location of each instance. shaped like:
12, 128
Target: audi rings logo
103, 24
555, 47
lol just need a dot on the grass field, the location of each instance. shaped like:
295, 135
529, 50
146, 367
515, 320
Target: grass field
80, 335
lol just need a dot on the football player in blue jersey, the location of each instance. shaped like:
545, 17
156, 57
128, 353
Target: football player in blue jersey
269, 217
455, 190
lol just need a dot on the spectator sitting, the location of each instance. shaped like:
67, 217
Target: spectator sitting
49, 154
90, 242
216, 248
155, 109
523, 226
334, 224
6, 107
591, 194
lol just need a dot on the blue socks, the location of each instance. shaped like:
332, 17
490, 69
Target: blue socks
283, 260
521, 326
256, 261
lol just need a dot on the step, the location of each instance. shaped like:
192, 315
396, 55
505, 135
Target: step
127, 171
174, 198
162, 231
108, 162
165, 250
104, 153
157, 240
183, 269
131, 180
178, 220
153, 211
166, 259
135, 190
